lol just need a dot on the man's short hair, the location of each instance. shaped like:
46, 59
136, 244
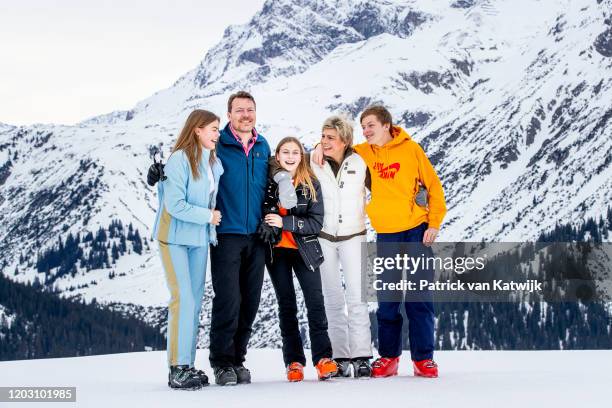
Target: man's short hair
381, 113
241, 95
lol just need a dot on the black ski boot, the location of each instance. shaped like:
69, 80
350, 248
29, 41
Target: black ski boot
344, 368
225, 376
201, 375
183, 378
361, 368
243, 375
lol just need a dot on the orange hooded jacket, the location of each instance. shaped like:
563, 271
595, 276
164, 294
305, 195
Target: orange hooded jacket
396, 169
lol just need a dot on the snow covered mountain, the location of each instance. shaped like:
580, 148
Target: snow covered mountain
510, 100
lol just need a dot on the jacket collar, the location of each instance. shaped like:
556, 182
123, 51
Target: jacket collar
227, 137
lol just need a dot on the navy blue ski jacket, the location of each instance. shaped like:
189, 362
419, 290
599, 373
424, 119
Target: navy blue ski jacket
242, 185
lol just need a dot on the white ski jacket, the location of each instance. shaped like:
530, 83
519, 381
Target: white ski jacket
344, 196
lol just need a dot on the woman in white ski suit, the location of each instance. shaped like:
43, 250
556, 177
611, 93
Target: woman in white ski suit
343, 180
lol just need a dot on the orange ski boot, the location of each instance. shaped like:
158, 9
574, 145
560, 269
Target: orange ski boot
295, 372
326, 368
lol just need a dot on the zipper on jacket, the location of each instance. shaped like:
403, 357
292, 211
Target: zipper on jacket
302, 251
300, 240
253, 163
246, 206
339, 185
330, 174
252, 153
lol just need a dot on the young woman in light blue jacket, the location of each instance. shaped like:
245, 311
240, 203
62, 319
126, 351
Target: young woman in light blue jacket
184, 226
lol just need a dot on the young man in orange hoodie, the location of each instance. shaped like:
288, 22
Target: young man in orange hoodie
398, 167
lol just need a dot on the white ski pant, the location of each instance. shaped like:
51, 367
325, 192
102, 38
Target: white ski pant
347, 315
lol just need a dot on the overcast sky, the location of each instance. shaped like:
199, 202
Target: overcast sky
63, 61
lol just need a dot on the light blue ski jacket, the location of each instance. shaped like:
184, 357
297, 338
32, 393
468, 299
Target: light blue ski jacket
186, 204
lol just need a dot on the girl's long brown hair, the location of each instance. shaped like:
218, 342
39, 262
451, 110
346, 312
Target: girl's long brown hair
303, 174
188, 140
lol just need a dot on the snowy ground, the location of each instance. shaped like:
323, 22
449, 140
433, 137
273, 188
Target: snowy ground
475, 379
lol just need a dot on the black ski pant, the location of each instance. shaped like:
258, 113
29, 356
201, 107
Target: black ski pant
281, 267
237, 270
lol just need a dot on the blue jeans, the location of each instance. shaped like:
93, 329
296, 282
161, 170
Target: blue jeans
420, 312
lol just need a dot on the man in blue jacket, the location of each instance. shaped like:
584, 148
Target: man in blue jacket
237, 262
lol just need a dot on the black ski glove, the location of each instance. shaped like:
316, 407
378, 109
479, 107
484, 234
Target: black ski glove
269, 234
155, 173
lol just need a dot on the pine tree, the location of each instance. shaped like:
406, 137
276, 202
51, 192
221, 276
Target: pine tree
115, 252
101, 235
137, 243
122, 244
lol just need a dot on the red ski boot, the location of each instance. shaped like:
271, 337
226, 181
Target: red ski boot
385, 367
425, 368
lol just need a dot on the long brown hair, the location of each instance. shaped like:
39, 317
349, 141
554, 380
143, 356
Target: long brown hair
188, 140
303, 174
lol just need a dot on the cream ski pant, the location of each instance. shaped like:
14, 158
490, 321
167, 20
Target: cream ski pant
347, 315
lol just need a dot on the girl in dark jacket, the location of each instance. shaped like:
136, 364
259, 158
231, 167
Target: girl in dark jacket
298, 251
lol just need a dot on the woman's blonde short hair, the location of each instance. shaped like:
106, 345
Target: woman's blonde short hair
342, 126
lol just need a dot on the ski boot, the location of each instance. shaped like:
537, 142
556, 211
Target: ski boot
225, 376
361, 368
425, 368
385, 367
344, 368
295, 372
243, 375
326, 368
182, 378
